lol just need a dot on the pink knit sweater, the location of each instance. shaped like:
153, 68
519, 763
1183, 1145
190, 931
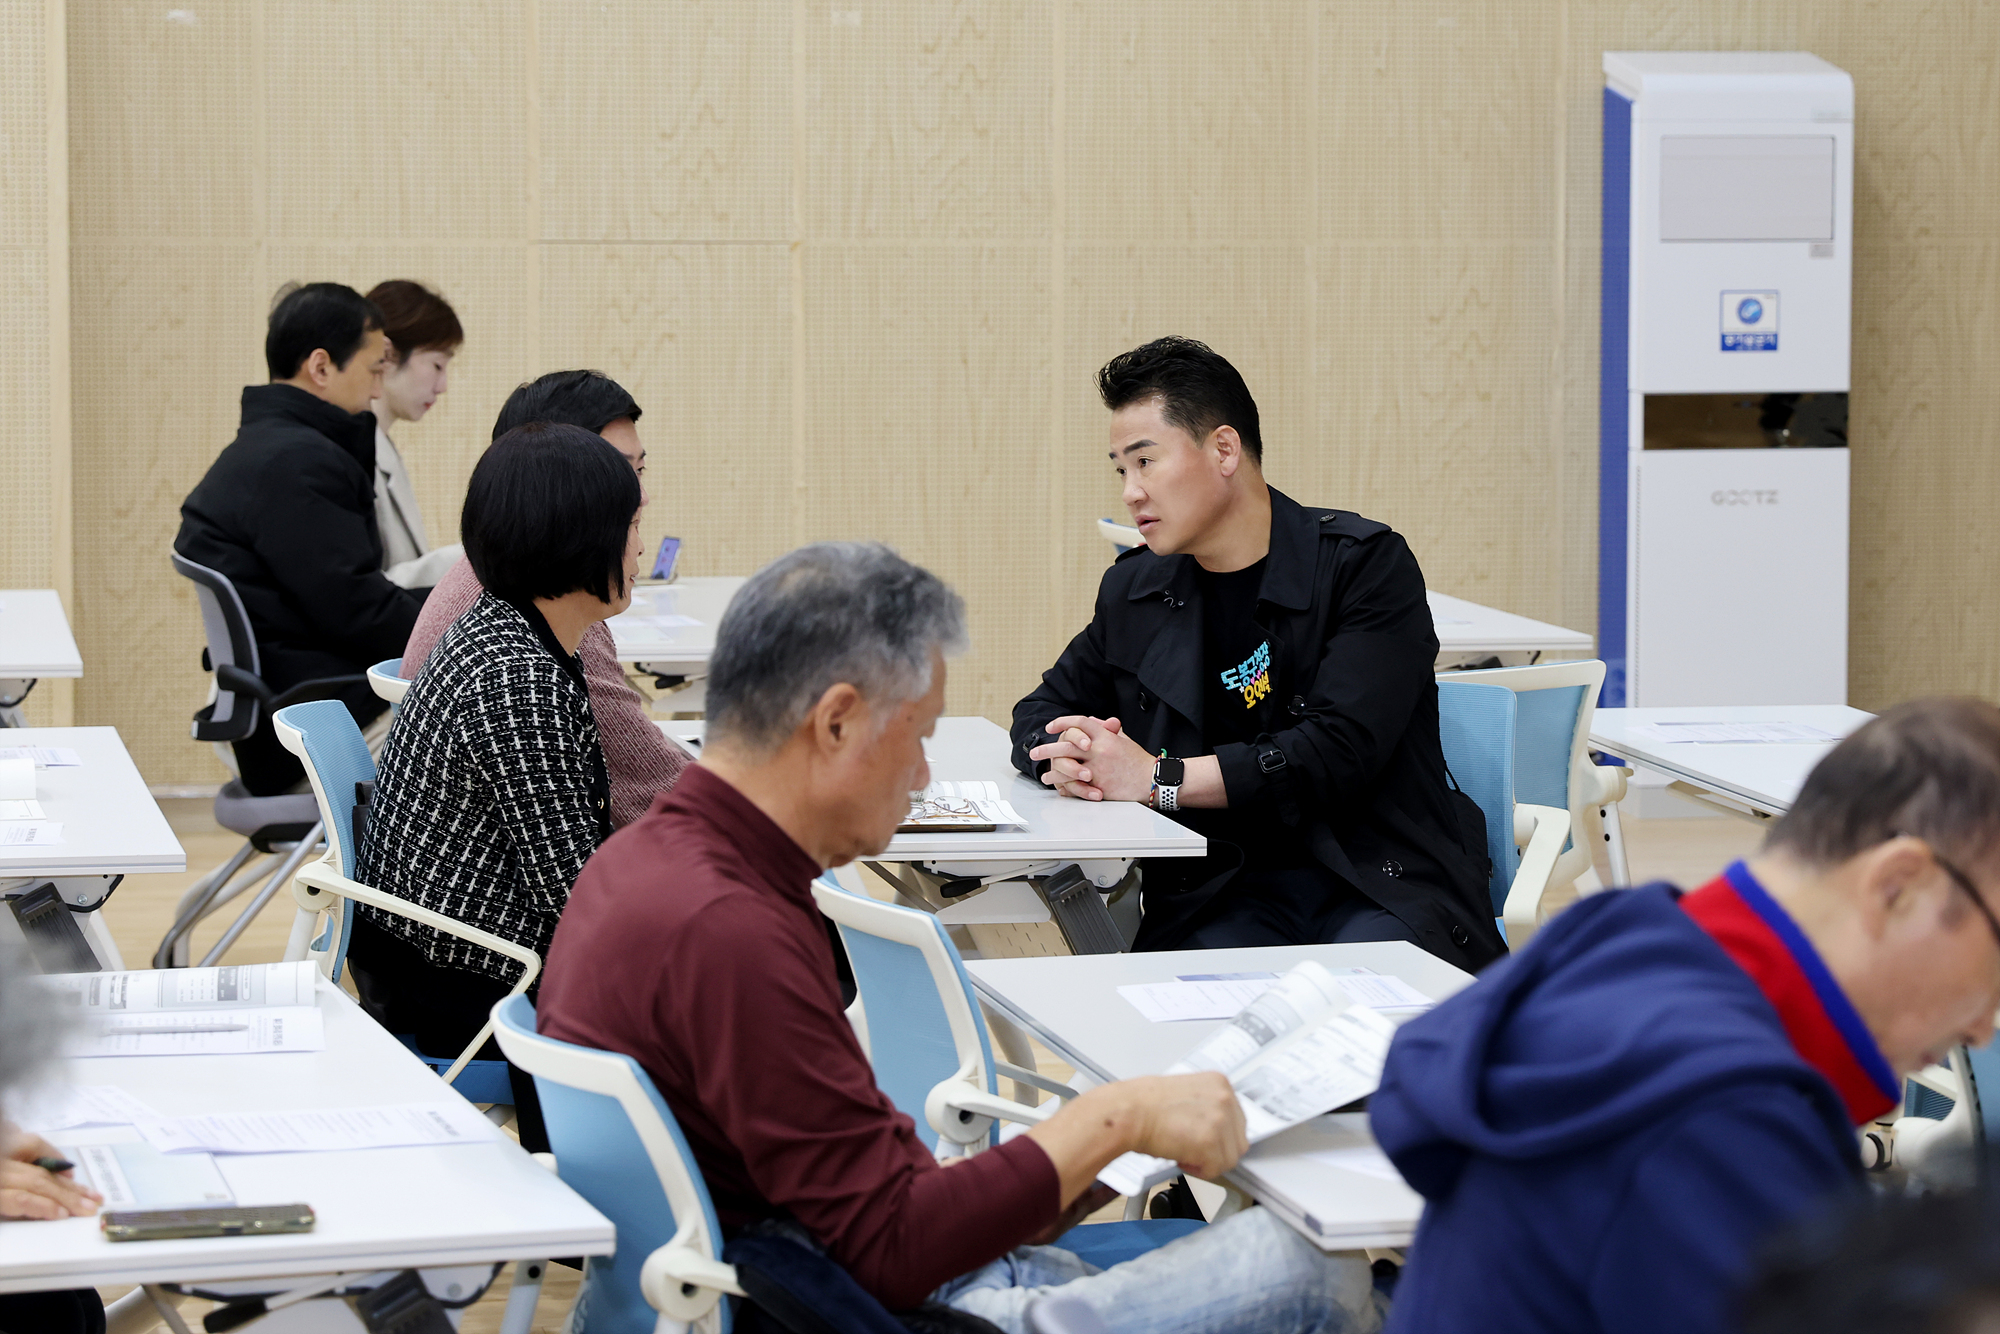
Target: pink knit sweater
642, 763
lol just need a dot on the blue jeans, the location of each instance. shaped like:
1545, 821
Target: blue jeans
1248, 1274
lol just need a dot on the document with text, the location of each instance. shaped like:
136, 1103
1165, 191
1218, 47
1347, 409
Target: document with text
1303, 1047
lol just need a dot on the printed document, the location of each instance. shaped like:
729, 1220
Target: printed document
945, 805
322, 1130
1303, 1047
203, 1033
21, 810
45, 757
31, 833
72, 1106
1220, 995
235, 985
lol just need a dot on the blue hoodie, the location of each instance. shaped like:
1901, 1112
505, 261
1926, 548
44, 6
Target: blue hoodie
1604, 1127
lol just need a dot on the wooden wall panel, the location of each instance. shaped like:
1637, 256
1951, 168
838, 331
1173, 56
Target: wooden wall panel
397, 121
1189, 122
666, 120
161, 360
860, 264
927, 121
35, 506
701, 336
923, 432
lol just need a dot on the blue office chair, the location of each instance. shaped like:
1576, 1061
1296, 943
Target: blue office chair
1552, 764
281, 831
927, 1040
323, 735
1478, 728
385, 678
617, 1144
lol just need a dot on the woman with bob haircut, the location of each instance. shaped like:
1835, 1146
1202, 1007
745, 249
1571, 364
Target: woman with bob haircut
492, 792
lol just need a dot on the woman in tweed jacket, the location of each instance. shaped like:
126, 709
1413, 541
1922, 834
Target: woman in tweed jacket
491, 793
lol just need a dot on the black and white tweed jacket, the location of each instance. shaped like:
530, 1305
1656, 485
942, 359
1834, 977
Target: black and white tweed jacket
491, 793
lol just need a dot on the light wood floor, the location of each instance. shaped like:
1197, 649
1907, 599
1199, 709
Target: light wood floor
1687, 852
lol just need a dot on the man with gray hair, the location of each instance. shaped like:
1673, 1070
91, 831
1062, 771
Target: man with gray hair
691, 943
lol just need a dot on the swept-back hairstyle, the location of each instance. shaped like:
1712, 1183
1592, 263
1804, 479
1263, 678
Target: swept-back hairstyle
548, 511
1198, 390
590, 399
315, 315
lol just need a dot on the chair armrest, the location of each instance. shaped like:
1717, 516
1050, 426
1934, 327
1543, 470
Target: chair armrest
1550, 830
320, 687
962, 1114
684, 1284
319, 878
1005, 1070
233, 678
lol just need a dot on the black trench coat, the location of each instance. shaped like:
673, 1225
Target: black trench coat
1360, 765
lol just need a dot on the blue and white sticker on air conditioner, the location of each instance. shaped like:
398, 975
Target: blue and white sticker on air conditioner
1749, 321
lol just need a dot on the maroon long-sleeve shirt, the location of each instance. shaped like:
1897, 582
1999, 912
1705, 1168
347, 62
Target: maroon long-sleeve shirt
692, 944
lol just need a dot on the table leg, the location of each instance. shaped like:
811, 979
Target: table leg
519, 1317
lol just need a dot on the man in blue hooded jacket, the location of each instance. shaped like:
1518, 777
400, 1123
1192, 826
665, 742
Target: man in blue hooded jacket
1608, 1124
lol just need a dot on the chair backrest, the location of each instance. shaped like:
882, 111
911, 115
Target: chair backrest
385, 678
1476, 724
617, 1144
323, 734
1122, 536
233, 715
924, 1024
1553, 708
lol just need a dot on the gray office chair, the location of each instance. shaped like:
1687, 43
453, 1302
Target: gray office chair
280, 832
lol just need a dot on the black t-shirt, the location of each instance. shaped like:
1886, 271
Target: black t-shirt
1240, 702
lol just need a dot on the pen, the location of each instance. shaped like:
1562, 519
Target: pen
180, 1028
54, 1164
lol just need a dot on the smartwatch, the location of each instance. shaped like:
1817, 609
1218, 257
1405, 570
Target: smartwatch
1167, 777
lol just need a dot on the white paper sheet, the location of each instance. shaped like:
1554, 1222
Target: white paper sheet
1367, 1159
1331, 1067
320, 1130
21, 810
1221, 996
56, 1107
136, 1175
221, 1032
30, 833
45, 757
1736, 733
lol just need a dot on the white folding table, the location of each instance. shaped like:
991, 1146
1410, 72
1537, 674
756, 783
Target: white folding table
1072, 1004
35, 641
378, 1209
111, 827
1469, 633
1754, 780
649, 634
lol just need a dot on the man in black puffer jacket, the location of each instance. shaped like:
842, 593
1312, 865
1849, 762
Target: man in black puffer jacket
287, 512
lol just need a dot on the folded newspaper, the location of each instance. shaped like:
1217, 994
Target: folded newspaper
1299, 1050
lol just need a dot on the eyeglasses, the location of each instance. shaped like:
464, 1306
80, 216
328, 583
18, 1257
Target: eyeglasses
1964, 882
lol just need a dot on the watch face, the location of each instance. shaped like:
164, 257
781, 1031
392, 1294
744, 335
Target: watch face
1168, 773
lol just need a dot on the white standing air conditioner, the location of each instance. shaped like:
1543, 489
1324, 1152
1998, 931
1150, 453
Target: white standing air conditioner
1723, 484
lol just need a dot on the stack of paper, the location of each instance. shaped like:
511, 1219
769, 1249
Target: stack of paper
195, 1011
945, 805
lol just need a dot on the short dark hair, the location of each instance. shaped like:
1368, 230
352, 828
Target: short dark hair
416, 318
305, 317
548, 511
1929, 768
590, 399
1927, 1264
1198, 389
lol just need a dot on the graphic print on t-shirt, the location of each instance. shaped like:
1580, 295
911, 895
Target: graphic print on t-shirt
1251, 678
